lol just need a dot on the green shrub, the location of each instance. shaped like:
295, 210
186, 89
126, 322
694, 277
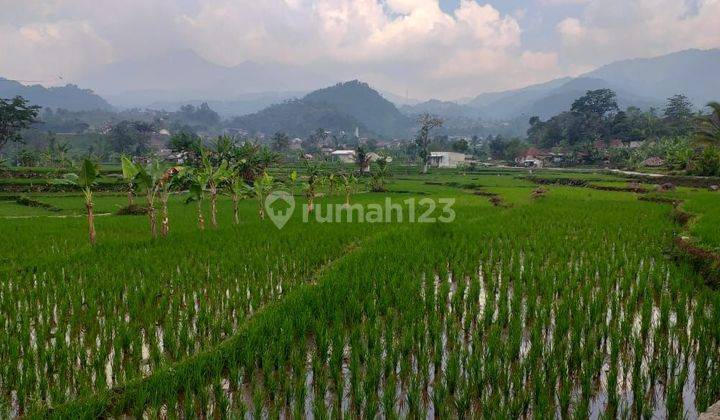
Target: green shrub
708, 162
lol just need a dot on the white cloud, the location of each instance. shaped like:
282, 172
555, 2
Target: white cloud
615, 29
396, 44
44, 52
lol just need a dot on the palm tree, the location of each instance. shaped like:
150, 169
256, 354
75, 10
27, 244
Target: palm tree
86, 178
129, 172
708, 130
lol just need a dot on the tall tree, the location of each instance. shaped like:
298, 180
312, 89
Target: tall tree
186, 141
427, 124
679, 114
599, 102
15, 115
130, 137
590, 111
280, 142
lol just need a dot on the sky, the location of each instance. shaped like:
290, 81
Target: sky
421, 48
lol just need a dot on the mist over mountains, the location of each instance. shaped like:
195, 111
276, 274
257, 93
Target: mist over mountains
185, 76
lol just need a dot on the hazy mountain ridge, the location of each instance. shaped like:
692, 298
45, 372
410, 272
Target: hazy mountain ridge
446, 109
182, 76
690, 72
642, 82
243, 105
69, 97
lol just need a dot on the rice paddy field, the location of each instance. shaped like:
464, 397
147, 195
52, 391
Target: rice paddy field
571, 302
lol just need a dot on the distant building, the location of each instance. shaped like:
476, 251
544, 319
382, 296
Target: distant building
374, 157
533, 158
296, 144
635, 144
446, 159
159, 140
530, 162
344, 156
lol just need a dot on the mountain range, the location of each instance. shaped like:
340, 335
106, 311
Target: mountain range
272, 97
642, 82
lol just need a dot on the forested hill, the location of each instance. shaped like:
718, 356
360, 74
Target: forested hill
343, 107
68, 97
298, 118
365, 104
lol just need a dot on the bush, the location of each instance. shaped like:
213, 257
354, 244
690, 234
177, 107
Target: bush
29, 202
132, 210
707, 163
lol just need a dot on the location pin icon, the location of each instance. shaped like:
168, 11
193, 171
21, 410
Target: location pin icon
281, 212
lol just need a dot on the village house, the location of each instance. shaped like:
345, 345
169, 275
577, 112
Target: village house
532, 158
447, 159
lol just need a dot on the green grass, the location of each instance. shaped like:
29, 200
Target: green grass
706, 206
539, 308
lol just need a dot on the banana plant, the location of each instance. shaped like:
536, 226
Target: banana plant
349, 183
292, 182
261, 187
216, 176
169, 178
238, 190
129, 172
198, 184
208, 177
310, 187
85, 179
332, 181
379, 175
149, 178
